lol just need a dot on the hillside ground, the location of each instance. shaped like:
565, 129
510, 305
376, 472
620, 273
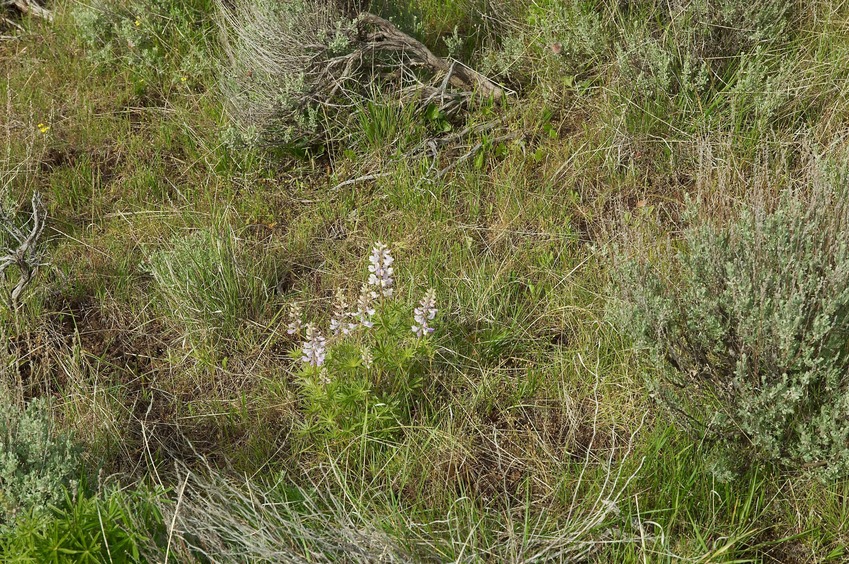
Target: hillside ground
524, 427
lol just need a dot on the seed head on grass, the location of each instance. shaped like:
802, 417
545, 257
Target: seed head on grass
425, 313
380, 269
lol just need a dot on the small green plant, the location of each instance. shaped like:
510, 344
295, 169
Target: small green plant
749, 324
37, 462
367, 377
386, 123
145, 36
111, 526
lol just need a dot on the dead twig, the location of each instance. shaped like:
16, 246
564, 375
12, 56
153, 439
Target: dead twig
26, 257
365, 178
382, 35
13, 24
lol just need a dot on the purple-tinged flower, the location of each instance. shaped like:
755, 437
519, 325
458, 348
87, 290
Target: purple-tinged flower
340, 311
315, 347
425, 313
365, 307
295, 320
340, 322
380, 269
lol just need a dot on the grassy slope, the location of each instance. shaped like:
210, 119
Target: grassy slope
531, 388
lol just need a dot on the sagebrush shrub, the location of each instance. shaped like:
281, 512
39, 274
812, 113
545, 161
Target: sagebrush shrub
748, 324
675, 59
546, 41
278, 67
37, 462
682, 39
296, 74
149, 37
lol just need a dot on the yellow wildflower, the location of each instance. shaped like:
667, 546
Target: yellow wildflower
43, 128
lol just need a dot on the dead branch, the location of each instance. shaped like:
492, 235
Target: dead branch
381, 34
288, 78
30, 8
26, 257
364, 178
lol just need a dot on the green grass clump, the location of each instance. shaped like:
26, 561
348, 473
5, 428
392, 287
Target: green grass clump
747, 322
209, 283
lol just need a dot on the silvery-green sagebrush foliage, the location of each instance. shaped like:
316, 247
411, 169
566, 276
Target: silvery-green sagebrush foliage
148, 38
748, 324
36, 462
664, 43
281, 78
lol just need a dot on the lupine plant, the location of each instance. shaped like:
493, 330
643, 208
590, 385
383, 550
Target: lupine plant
315, 347
425, 313
364, 377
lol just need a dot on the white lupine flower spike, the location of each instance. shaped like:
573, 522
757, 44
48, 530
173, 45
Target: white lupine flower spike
314, 348
366, 357
424, 314
341, 320
365, 308
380, 269
295, 320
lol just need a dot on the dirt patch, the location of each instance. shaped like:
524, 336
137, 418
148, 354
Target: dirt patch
104, 160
